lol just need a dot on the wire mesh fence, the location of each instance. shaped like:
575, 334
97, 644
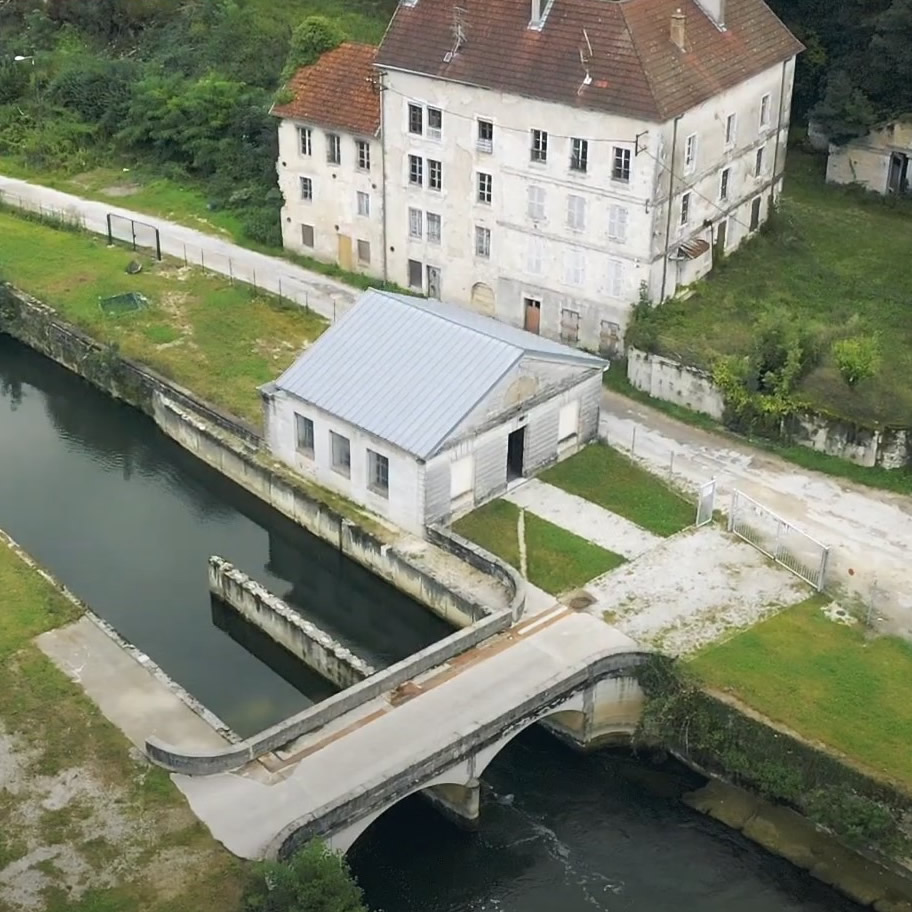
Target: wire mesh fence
68, 217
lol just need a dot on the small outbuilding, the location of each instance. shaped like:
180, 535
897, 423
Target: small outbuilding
877, 161
419, 411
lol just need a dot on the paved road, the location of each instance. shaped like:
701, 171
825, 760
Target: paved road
869, 531
321, 294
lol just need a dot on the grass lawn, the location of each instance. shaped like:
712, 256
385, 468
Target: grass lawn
833, 255
79, 807
218, 339
825, 681
557, 560
608, 478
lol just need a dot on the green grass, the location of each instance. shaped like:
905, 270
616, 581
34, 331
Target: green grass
61, 730
557, 559
824, 680
833, 254
218, 339
606, 477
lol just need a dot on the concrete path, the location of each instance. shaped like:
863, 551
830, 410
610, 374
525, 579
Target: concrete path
127, 692
869, 531
583, 518
323, 295
380, 740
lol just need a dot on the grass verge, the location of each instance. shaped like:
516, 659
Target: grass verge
218, 339
606, 477
825, 680
88, 824
557, 559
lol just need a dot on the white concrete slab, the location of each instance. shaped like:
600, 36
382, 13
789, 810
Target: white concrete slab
583, 518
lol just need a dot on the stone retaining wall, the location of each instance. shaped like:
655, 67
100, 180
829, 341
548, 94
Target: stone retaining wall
691, 387
281, 623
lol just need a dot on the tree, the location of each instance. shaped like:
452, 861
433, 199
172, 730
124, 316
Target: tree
315, 879
857, 358
891, 56
845, 111
311, 38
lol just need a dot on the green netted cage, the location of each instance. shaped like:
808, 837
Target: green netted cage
123, 303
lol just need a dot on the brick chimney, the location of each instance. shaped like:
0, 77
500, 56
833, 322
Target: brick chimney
677, 29
715, 9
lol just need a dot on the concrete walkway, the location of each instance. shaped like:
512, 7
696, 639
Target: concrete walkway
583, 518
323, 295
869, 531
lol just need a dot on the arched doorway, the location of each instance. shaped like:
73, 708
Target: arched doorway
483, 299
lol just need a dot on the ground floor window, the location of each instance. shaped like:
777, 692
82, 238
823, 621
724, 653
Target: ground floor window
568, 422
415, 275
755, 214
341, 453
307, 235
569, 326
304, 434
364, 252
378, 469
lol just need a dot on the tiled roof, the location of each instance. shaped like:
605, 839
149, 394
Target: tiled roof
635, 68
336, 91
408, 370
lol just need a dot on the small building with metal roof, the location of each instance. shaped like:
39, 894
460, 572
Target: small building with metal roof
419, 411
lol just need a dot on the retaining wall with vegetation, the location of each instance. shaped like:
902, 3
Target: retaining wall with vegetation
693, 388
281, 623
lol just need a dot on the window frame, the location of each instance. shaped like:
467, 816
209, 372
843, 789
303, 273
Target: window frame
432, 132
484, 186
415, 223
569, 338
435, 236
615, 281
306, 186
576, 212
333, 149
482, 242
724, 182
760, 161
363, 245
362, 196
377, 467
363, 150
690, 154
435, 175
313, 236
766, 110
579, 154
731, 130
685, 208
484, 144
538, 150
410, 271
618, 221
305, 141
577, 258
756, 205
416, 171
621, 164
539, 205
415, 116
341, 466
304, 430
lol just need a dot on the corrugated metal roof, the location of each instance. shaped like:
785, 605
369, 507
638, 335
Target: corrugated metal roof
408, 370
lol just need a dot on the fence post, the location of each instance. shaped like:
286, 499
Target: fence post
158, 245
133, 231
202, 258
186, 262
110, 230
633, 441
230, 272
280, 289
671, 466
731, 512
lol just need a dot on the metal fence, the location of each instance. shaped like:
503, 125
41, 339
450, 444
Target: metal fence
71, 217
135, 233
775, 537
706, 502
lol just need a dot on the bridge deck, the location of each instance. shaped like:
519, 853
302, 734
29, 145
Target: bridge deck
381, 739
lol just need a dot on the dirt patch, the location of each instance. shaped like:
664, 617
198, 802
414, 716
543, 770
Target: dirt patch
126, 189
278, 349
174, 304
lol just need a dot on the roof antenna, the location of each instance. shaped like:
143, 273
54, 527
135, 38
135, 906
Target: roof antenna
585, 55
458, 28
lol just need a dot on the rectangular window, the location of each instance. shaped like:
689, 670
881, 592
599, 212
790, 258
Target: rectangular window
378, 473
485, 142
416, 170
569, 326
364, 252
433, 227
574, 266
534, 256
415, 221
333, 148
462, 477
482, 242
568, 421
307, 235
723, 184
758, 162
435, 123
307, 188
576, 213
433, 281
620, 164
539, 151
415, 278
341, 453
304, 138
304, 435
617, 224
616, 278
364, 154
579, 154
435, 174
364, 204
415, 119
685, 208
755, 214
690, 153
485, 188
536, 202
765, 111
731, 129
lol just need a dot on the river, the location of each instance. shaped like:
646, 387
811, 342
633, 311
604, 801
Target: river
127, 520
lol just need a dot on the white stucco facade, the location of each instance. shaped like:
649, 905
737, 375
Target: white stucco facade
879, 161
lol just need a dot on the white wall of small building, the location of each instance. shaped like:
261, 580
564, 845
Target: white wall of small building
866, 161
333, 211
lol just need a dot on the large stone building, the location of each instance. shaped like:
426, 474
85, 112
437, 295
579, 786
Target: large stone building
420, 410
543, 161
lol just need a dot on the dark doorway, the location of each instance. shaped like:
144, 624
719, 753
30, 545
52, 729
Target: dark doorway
532, 317
515, 445
721, 238
898, 180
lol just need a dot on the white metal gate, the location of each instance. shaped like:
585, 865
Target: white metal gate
706, 501
770, 533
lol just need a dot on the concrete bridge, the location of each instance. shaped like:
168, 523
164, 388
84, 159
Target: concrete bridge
435, 734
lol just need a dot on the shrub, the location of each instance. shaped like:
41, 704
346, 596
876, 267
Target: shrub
857, 358
311, 38
262, 225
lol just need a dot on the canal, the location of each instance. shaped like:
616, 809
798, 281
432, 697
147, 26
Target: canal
127, 520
